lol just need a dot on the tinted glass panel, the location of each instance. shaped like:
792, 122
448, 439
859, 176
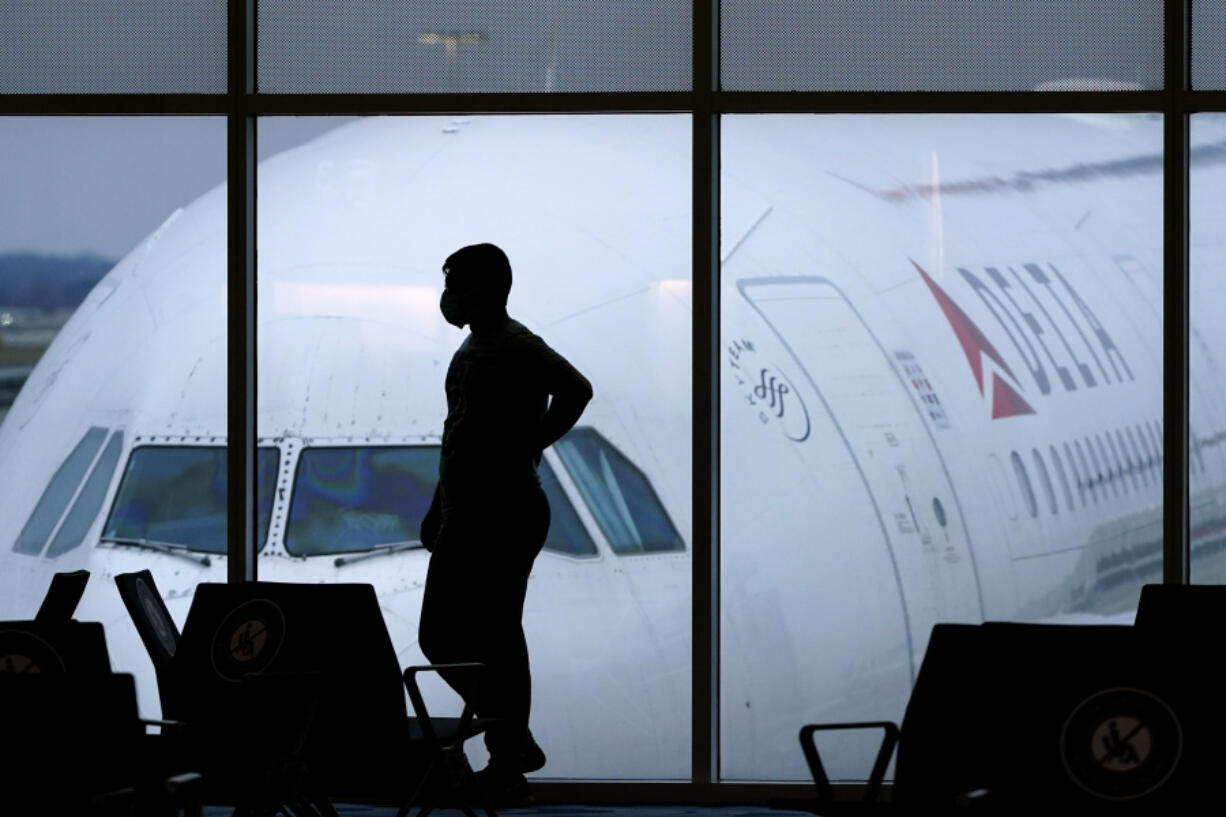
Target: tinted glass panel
118, 46
1207, 339
618, 495
566, 532
914, 310
593, 213
309, 46
900, 45
1209, 44
89, 501
352, 499
58, 493
177, 496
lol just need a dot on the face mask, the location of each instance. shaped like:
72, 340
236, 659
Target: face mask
452, 309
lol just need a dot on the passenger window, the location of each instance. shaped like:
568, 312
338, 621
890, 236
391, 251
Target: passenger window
1045, 479
1060, 474
58, 493
1081, 482
566, 532
1134, 453
1155, 433
1106, 463
1093, 478
176, 496
1150, 461
347, 500
618, 494
1118, 461
1129, 461
89, 501
1023, 482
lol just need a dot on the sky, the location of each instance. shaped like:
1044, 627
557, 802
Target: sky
99, 185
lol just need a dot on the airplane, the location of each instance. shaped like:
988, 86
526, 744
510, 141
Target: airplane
940, 381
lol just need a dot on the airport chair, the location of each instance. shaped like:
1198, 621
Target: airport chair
63, 596
926, 778
1020, 718
73, 739
76, 745
363, 745
247, 730
59, 647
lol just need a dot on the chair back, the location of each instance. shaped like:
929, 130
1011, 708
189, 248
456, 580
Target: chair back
335, 632
939, 756
63, 596
156, 628
1181, 608
1091, 718
53, 648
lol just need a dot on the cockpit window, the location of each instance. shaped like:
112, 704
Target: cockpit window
354, 499
89, 501
566, 532
59, 491
176, 496
618, 494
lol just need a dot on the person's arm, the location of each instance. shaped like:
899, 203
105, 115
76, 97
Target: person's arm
570, 392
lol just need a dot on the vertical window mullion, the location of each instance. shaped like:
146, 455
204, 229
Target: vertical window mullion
241, 516
1176, 532
705, 408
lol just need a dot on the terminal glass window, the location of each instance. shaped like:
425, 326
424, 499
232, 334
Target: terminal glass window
115, 47
426, 46
356, 217
905, 299
941, 45
1207, 343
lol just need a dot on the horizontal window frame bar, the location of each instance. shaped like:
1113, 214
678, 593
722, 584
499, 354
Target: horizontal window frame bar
683, 102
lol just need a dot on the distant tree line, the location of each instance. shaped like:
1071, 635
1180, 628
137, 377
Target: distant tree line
34, 281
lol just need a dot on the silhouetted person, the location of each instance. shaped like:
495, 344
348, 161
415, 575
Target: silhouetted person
489, 516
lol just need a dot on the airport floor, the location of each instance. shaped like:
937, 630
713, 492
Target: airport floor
569, 811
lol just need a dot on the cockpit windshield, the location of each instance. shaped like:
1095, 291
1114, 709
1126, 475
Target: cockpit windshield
354, 499
176, 496
347, 500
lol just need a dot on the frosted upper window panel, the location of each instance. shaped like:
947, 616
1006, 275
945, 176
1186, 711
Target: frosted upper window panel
1209, 44
464, 46
117, 46
941, 45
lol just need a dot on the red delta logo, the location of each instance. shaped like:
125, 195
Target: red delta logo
1006, 401
1055, 333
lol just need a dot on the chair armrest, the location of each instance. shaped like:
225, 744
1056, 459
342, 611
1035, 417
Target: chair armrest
419, 703
808, 745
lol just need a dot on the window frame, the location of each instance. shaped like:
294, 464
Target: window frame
705, 102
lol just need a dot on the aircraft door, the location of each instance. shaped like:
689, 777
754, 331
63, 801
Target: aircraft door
887, 437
